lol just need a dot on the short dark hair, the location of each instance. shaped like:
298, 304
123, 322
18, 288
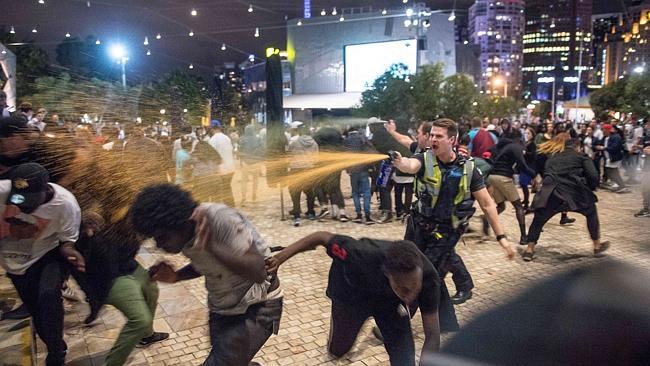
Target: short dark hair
426, 127
161, 206
476, 122
402, 257
449, 124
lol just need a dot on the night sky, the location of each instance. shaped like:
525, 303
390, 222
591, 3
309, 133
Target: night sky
217, 22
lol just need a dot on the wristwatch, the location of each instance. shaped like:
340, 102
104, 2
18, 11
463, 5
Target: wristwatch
502, 236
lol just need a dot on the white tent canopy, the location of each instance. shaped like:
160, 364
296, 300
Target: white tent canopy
322, 101
8, 66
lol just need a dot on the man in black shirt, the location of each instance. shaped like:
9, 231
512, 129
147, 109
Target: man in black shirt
383, 279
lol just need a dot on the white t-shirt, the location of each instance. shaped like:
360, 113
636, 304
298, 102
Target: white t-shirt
38, 124
223, 145
53, 222
228, 292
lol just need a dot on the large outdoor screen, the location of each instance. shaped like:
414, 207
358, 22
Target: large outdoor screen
365, 62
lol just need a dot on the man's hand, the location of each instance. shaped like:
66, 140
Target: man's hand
272, 264
510, 253
163, 272
73, 256
390, 126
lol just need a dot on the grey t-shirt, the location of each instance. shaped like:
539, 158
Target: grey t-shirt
228, 292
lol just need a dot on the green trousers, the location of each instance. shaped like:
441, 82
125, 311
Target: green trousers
136, 296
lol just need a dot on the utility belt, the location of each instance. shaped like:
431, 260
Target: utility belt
424, 216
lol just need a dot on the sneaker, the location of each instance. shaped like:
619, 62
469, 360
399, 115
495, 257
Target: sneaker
311, 216
386, 217
523, 240
324, 212
18, 313
358, 219
344, 218
296, 221
643, 213
155, 337
369, 221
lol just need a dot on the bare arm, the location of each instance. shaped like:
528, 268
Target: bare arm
406, 165
490, 210
309, 242
431, 325
402, 139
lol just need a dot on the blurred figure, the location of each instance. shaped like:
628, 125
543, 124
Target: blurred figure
303, 152
38, 119
645, 181
613, 149
251, 154
4, 108
223, 145
359, 177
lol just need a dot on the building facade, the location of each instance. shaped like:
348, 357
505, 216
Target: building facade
557, 49
497, 27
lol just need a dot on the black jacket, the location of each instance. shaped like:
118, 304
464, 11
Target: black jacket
615, 147
572, 177
505, 155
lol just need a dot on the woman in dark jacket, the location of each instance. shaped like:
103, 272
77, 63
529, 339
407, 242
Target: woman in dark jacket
569, 181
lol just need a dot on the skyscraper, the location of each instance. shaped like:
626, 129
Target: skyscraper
557, 48
497, 28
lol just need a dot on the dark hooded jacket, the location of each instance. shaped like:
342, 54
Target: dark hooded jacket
506, 155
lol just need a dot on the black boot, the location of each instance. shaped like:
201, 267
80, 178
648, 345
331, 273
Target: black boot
18, 313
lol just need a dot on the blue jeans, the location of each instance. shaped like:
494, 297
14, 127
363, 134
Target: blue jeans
360, 183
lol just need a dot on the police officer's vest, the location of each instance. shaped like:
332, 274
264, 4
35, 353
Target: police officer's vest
445, 201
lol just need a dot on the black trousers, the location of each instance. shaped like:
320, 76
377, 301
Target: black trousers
295, 191
331, 190
347, 320
40, 290
385, 201
403, 205
554, 206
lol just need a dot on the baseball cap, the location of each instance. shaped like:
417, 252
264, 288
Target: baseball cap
608, 127
295, 124
491, 127
28, 185
215, 123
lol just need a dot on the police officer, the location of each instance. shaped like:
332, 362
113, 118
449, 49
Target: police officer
446, 186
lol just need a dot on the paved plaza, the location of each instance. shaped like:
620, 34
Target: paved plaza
303, 334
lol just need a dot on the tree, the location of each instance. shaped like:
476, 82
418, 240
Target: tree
391, 95
458, 94
31, 62
637, 95
496, 107
426, 92
610, 97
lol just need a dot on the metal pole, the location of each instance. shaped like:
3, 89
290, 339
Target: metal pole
506, 88
579, 73
553, 100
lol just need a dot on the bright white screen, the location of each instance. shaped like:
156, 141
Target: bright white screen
365, 62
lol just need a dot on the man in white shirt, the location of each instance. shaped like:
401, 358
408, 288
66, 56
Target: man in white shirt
222, 143
223, 245
37, 234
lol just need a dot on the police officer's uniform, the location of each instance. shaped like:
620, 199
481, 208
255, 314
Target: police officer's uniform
439, 218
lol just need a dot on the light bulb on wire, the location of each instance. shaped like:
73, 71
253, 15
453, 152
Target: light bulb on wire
194, 12
223, 46
98, 42
250, 8
334, 12
191, 66
299, 23
323, 12
405, 1
12, 31
41, 1
158, 36
452, 16
34, 30
148, 52
146, 41
341, 18
67, 35
257, 32
384, 12
191, 33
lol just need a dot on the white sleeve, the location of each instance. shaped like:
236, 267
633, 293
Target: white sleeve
229, 229
70, 221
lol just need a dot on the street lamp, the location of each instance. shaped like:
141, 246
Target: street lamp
498, 81
118, 52
639, 69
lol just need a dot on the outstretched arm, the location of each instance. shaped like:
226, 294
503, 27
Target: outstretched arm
406, 165
309, 242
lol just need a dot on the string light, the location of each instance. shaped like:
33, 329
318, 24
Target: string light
384, 12
452, 16
250, 8
405, 1
158, 36
191, 33
194, 12
88, 4
34, 30
12, 31
4, 52
98, 42
191, 66
299, 23
323, 12
251, 58
148, 52
146, 41
41, 1
67, 35
223, 46
341, 18
334, 11
257, 32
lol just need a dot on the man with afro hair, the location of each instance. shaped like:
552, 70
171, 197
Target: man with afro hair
245, 303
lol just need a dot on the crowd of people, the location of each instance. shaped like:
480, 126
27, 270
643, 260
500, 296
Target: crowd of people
78, 206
